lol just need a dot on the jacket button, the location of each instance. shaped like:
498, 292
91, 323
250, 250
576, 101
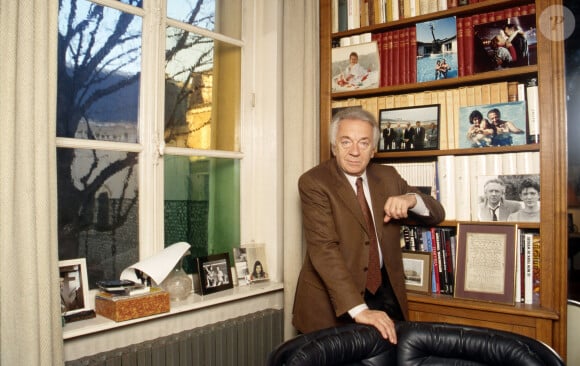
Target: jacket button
366, 269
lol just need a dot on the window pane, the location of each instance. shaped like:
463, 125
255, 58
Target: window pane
202, 92
220, 16
137, 3
98, 210
202, 204
99, 53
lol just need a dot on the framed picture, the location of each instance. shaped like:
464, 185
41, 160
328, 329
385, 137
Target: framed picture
417, 269
355, 67
505, 44
437, 49
74, 286
257, 263
486, 258
409, 128
487, 125
215, 273
516, 198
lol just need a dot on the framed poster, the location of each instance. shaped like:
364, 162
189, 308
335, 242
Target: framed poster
486, 262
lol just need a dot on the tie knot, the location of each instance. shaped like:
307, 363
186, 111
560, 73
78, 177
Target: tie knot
359, 181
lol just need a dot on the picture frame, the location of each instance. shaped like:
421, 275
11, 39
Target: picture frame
74, 286
417, 269
367, 73
215, 273
520, 202
437, 53
490, 47
512, 115
486, 262
399, 128
257, 262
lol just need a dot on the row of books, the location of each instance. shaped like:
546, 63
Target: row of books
442, 243
455, 105
353, 14
458, 181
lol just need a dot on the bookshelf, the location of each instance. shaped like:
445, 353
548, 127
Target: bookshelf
545, 321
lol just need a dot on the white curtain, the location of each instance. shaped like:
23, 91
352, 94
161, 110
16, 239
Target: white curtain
30, 323
301, 111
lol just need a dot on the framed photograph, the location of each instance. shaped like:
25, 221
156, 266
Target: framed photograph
487, 125
257, 263
505, 44
417, 269
437, 49
355, 67
409, 128
74, 286
512, 198
215, 273
486, 262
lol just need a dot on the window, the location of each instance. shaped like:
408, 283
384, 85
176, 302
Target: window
148, 126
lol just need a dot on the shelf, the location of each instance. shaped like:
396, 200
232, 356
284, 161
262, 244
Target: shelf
192, 303
521, 72
451, 302
458, 11
476, 151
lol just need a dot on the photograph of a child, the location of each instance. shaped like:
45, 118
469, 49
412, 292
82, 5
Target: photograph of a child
355, 67
500, 124
505, 43
511, 198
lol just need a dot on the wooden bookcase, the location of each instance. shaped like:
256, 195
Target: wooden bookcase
547, 321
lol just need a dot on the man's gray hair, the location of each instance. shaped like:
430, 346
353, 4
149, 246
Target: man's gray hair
356, 113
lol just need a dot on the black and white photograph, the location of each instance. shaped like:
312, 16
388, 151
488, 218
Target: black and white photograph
215, 273
508, 198
74, 288
417, 270
409, 128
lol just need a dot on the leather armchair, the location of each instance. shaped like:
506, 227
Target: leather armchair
419, 343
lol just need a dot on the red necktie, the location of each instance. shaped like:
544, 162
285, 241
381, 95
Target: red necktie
374, 270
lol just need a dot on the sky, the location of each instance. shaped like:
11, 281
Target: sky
444, 28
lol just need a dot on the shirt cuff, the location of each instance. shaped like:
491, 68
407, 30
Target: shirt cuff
357, 310
420, 208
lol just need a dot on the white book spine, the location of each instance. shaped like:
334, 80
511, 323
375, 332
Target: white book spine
528, 268
477, 168
533, 104
446, 178
518, 282
462, 187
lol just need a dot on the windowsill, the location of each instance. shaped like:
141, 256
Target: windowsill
193, 302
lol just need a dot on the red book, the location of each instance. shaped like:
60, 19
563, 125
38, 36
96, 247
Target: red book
404, 61
390, 58
468, 45
435, 260
460, 48
451, 4
396, 57
412, 55
378, 37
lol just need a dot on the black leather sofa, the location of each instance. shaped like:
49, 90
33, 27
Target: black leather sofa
419, 343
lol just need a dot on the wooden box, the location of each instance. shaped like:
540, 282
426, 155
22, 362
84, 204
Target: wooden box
121, 308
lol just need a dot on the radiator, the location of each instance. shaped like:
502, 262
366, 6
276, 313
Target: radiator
242, 341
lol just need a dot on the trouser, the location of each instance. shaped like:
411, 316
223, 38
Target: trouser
384, 299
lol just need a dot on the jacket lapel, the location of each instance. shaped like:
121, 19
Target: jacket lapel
347, 194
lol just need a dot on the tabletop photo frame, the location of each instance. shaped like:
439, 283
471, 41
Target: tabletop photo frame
486, 262
74, 286
417, 269
215, 273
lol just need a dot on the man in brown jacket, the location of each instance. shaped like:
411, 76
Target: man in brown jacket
332, 287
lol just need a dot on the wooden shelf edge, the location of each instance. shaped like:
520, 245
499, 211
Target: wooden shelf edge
471, 151
488, 76
517, 309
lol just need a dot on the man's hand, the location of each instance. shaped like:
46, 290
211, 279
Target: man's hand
381, 321
397, 207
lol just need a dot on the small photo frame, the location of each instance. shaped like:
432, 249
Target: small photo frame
355, 67
486, 258
74, 286
409, 128
215, 273
257, 263
417, 269
477, 128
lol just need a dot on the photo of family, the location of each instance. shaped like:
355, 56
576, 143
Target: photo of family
511, 198
501, 124
504, 44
